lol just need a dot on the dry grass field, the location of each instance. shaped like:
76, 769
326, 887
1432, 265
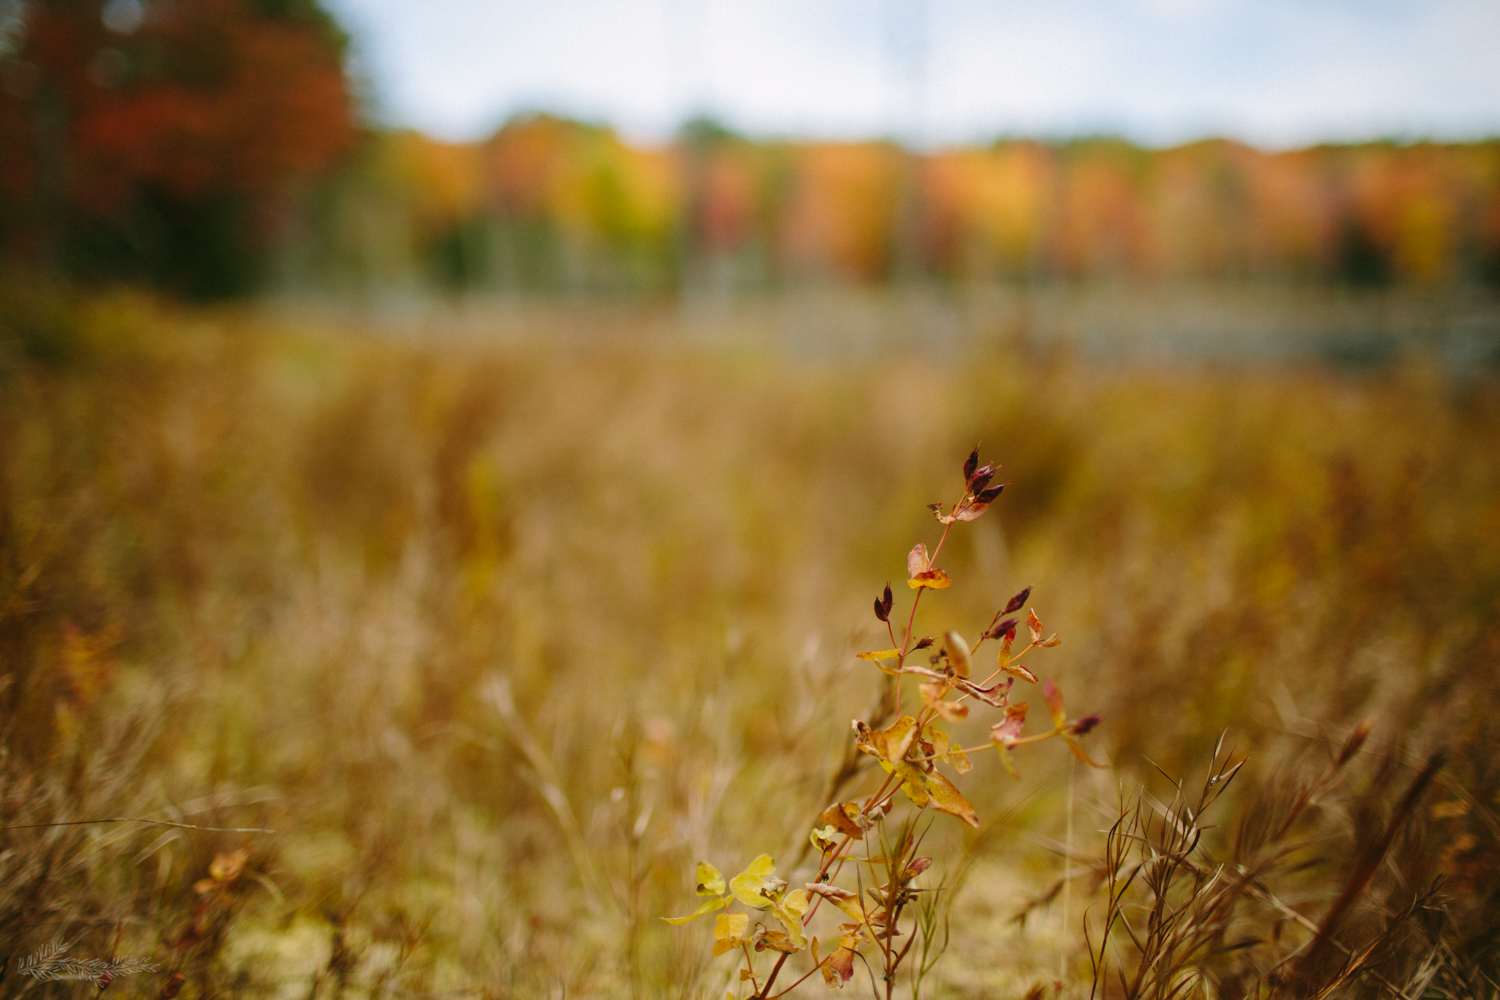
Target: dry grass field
500, 637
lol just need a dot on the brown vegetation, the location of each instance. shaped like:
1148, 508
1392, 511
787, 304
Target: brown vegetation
500, 638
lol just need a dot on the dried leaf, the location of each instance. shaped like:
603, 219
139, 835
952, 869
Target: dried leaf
839, 967
1035, 624
932, 692
970, 512
774, 940
917, 867
953, 711
1052, 640
916, 560
932, 695
1019, 670
710, 882
957, 651
996, 695
1054, 703
842, 817
1006, 732
880, 654
1017, 603
842, 898
934, 579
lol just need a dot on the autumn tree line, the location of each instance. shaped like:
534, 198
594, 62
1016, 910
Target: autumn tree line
216, 148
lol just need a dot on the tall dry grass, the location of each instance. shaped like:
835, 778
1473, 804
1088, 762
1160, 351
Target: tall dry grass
500, 637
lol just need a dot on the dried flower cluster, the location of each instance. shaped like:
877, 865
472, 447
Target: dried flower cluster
775, 918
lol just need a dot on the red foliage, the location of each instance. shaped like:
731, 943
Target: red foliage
206, 97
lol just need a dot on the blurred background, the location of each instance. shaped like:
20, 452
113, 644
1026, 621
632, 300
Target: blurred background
467, 438
713, 153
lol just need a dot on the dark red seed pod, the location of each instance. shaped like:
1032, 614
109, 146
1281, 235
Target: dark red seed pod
1083, 725
923, 643
989, 495
888, 599
971, 463
880, 611
997, 629
1018, 602
981, 479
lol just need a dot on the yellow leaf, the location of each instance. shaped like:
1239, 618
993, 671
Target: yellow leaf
893, 742
729, 931
710, 882
947, 798
823, 838
758, 885
789, 911
950, 753
708, 907
731, 925
882, 654
933, 579
911, 781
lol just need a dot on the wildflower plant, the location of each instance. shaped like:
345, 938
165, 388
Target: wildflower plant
885, 918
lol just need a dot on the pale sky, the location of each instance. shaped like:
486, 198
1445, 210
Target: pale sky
1273, 72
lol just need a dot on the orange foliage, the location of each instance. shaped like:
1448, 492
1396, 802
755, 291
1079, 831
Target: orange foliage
842, 215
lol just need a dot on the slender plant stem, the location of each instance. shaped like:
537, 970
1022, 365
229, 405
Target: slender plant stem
152, 822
